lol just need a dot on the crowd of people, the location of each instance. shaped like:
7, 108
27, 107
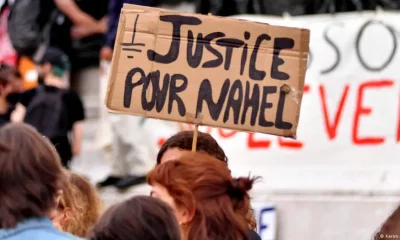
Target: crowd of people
65, 40
193, 195
52, 108
41, 129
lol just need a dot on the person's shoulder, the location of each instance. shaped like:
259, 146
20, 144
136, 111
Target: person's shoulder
57, 235
71, 98
44, 234
253, 235
13, 98
30, 91
71, 93
27, 96
65, 236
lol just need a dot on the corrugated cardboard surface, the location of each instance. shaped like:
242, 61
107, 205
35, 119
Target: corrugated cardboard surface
141, 30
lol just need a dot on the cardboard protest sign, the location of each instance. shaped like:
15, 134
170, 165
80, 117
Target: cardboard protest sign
208, 70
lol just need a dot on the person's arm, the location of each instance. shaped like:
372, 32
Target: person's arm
81, 31
103, 25
253, 235
77, 136
74, 13
18, 114
114, 11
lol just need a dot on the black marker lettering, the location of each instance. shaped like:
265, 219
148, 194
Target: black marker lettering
158, 96
129, 86
244, 54
205, 94
194, 59
234, 102
279, 45
130, 45
279, 123
219, 60
265, 105
335, 48
254, 73
173, 93
252, 102
146, 105
229, 43
173, 52
393, 52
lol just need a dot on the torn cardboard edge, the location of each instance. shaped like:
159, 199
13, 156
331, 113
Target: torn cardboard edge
190, 118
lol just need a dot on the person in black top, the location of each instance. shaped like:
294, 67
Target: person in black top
10, 84
80, 34
52, 109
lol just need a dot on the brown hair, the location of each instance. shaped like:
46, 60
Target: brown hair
204, 186
137, 218
206, 144
30, 175
183, 140
81, 197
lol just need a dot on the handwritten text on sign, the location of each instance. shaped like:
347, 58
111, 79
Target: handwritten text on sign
208, 70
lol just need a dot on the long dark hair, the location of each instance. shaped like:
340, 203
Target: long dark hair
205, 144
30, 175
204, 186
140, 217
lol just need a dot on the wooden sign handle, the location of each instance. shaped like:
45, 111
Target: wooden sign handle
196, 127
195, 134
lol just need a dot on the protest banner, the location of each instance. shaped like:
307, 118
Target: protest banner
350, 117
348, 137
266, 216
208, 70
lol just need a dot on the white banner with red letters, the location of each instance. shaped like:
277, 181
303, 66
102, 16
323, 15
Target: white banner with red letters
349, 130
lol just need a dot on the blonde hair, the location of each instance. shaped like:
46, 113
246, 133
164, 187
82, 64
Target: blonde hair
82, 198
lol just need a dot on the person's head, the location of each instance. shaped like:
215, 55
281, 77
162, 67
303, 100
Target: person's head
10, 81
31, 175
79, 207
140, 217
207, 201
181, 142
53, 66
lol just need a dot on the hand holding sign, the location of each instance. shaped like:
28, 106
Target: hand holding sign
208, 70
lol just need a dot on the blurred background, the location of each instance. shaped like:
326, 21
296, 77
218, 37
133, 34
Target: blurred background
339, 180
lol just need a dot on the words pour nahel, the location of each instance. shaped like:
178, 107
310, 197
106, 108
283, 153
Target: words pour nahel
208, 70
